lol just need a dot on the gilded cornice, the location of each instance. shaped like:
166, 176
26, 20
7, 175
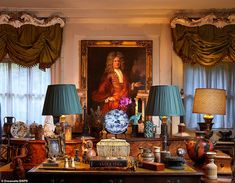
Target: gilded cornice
25, 19
211, 19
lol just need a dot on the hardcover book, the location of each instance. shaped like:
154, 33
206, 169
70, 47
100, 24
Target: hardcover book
103, 162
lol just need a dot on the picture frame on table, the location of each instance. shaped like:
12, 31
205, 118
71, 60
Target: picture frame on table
55, 146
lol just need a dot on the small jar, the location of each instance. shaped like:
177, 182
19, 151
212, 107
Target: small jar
157, 154
210, 167
164, 156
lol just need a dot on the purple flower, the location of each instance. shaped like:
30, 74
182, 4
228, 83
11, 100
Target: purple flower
124, 101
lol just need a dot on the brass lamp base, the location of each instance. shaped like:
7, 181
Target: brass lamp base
205, 126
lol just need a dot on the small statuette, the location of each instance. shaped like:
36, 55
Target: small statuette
66, 163
49, 126
72, 162
52, 160
76, 158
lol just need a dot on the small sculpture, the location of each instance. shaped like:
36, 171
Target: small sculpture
39, 133
51, 159
135, 118
72, 162
18, 169
97, 125
87, 150
66, 163
49, 126
90, 151
33, 128
84, 157
76, 158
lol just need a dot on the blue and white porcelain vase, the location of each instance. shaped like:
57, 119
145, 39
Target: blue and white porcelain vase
148, 129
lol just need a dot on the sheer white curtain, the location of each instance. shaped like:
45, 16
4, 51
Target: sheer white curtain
221, 76
22, 92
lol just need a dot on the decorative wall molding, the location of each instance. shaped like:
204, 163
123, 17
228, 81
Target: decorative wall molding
211, 19
29, 19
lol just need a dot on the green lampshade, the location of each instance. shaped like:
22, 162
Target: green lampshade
61, 99
164, 100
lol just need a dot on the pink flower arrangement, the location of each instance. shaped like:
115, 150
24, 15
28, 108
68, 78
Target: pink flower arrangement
124, 102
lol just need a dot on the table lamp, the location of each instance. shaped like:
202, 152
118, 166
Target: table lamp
209, 101
164, 101
60, 100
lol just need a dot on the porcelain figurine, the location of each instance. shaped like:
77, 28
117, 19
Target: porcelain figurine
49, 126
87, 150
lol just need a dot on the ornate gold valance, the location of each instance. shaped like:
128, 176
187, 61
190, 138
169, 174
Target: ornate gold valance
29, 41
207, 41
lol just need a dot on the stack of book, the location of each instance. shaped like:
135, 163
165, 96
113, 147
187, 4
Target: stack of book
98, 161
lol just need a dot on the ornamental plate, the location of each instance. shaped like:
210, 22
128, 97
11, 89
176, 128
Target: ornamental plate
116, 121
19, 129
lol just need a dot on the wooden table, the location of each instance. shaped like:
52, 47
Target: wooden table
83, 174
220, 179
36, 152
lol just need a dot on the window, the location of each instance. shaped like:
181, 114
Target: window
220, 76
22, 92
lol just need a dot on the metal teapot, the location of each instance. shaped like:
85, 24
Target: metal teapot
147, 155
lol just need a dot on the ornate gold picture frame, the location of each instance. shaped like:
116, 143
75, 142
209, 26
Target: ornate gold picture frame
138, 63
55, 146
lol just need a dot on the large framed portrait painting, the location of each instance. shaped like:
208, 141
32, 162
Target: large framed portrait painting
114, 71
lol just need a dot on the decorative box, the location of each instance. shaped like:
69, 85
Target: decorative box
223, 162
113, 148
153, 166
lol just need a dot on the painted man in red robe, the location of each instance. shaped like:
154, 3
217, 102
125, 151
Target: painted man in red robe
114, 84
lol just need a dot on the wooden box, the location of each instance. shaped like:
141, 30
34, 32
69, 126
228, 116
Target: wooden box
223, 162
153, 166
